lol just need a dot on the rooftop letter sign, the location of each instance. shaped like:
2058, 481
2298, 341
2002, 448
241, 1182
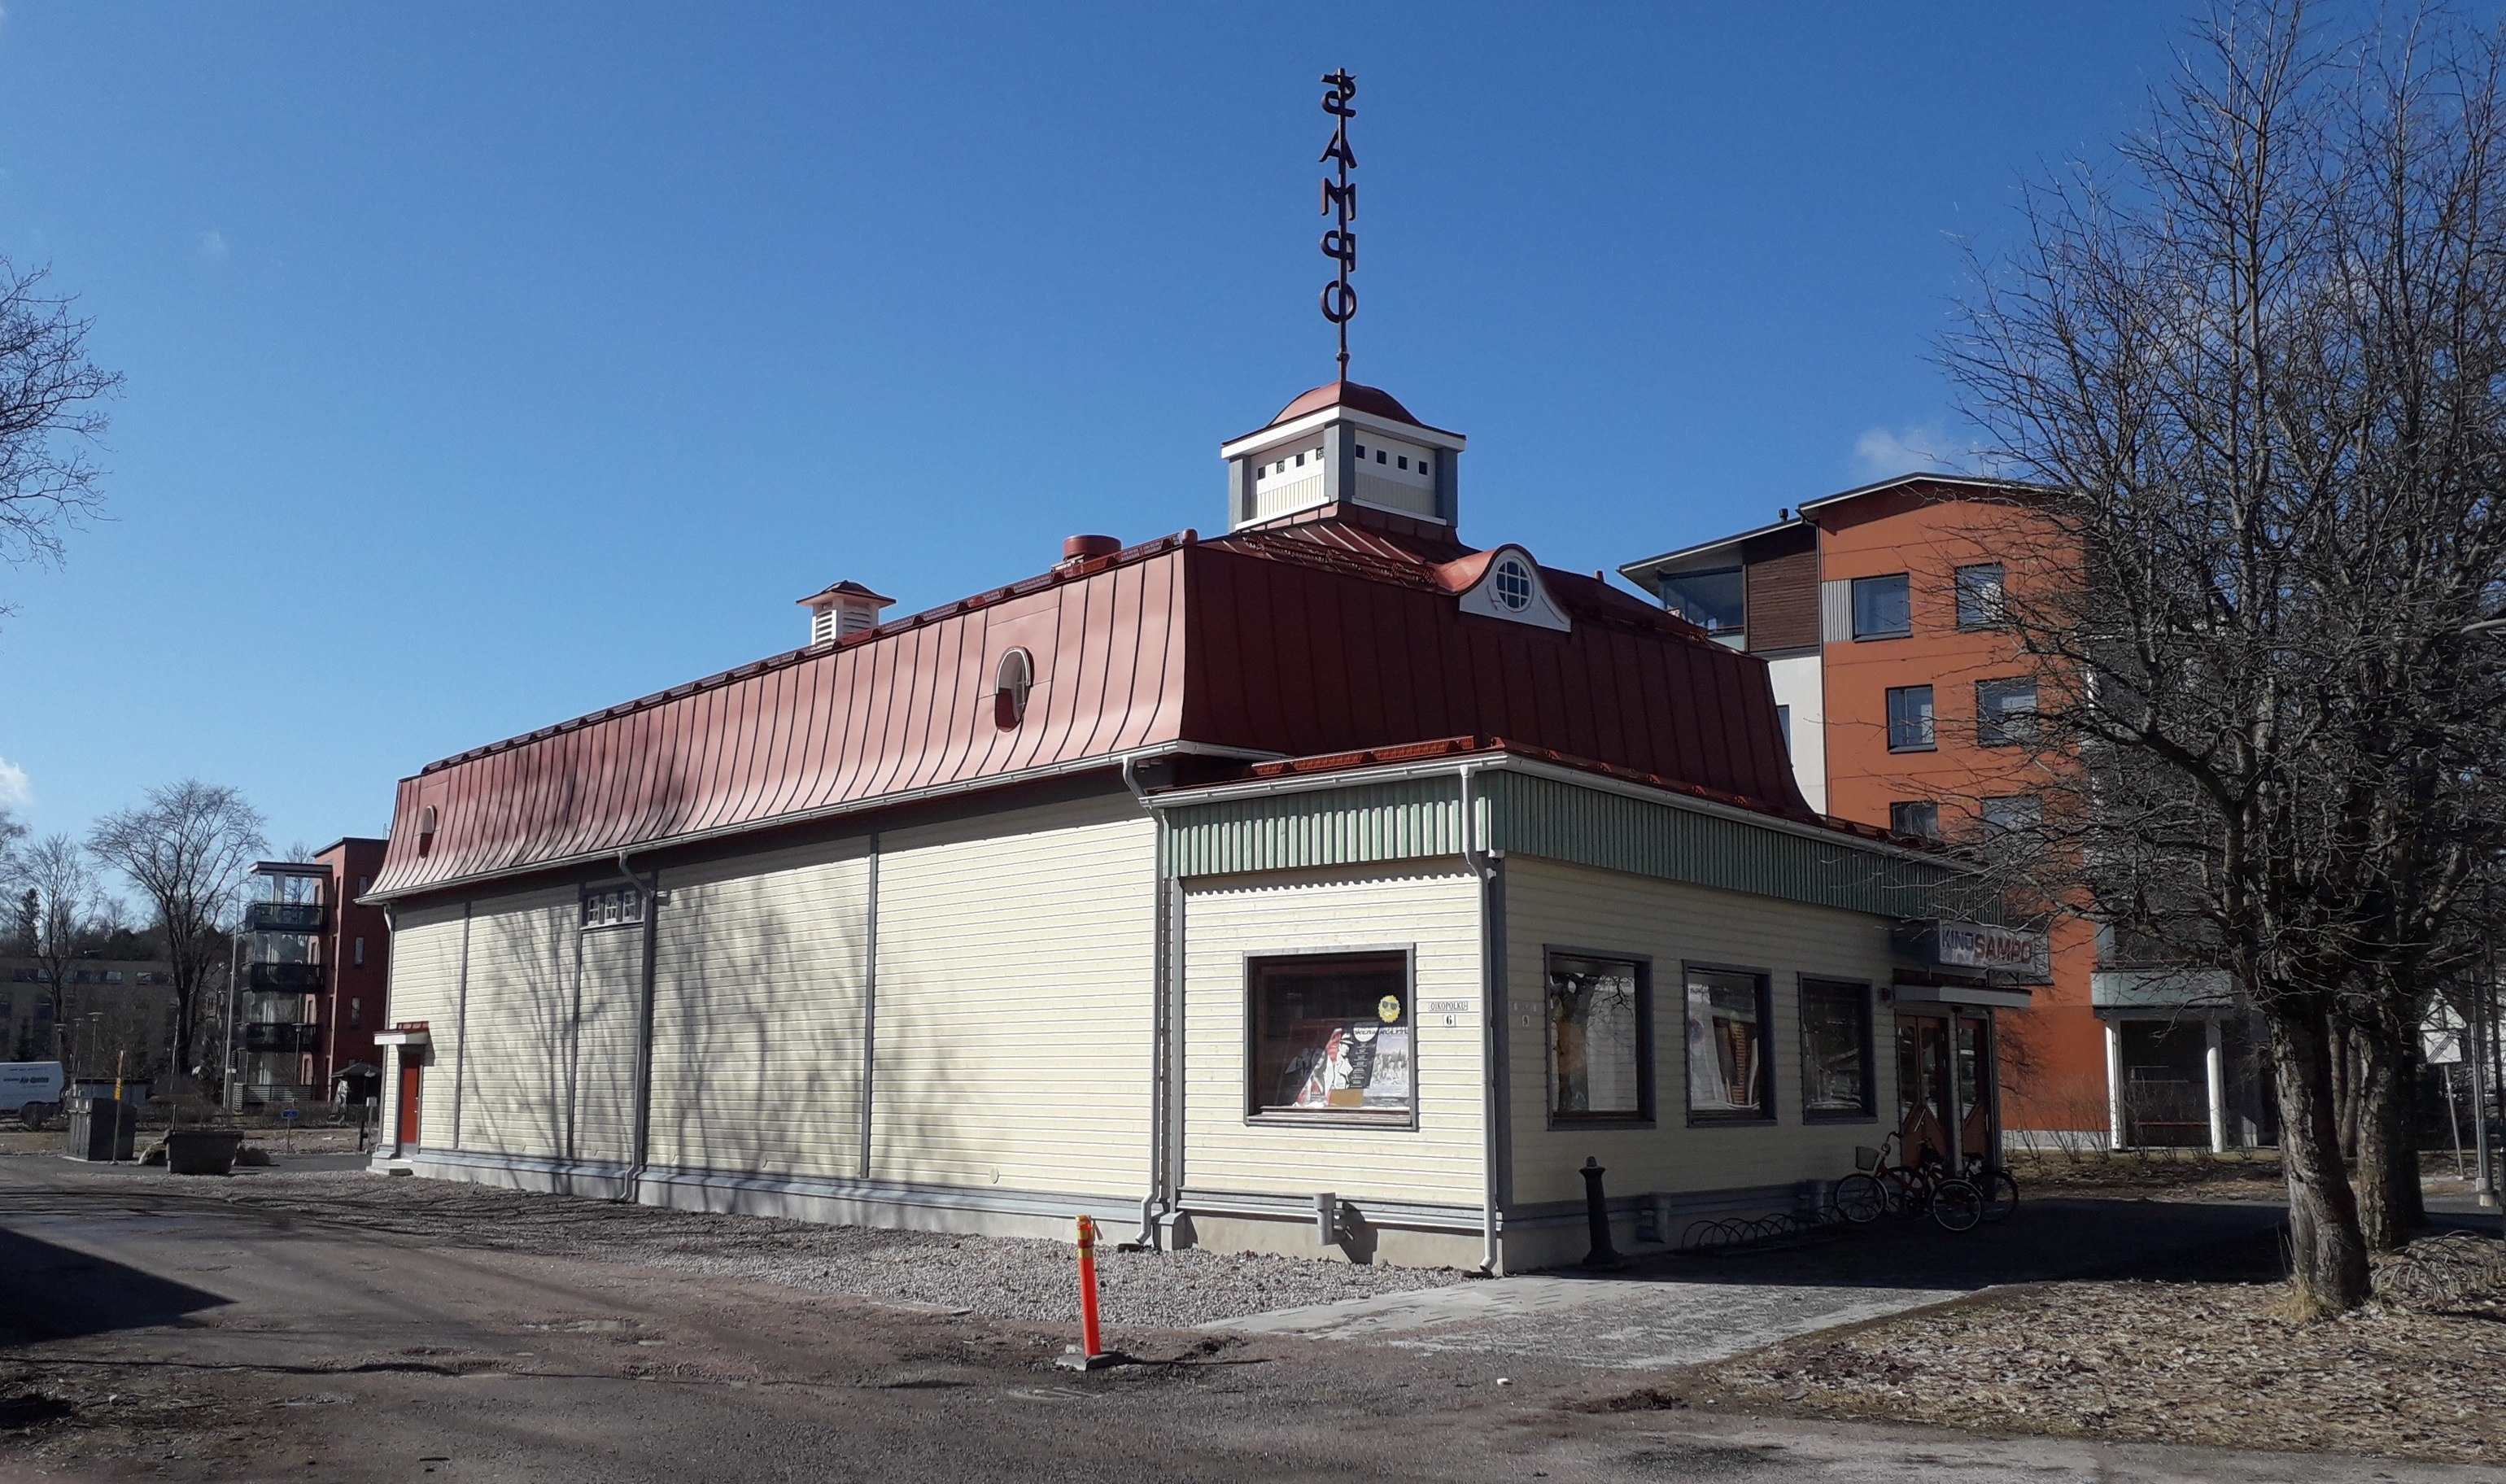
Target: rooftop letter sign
1339, 202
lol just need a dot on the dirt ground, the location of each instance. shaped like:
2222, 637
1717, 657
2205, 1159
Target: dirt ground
2238, 1175
2415, 1374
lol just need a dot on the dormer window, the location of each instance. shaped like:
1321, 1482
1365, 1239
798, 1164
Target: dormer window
1514, 584
1010, 687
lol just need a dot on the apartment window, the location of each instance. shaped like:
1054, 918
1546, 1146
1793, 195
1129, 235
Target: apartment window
1714, 601
1836, 1049
1728, 1075
1883, 609
113, 977
1980, 599
1784, 724
1403, 461
1909, 719
1378, 455
1917, 817
2005, 712
1330, 1035
2012, 814
356, 1014
362, 883
361, 953
612, 906
1600, 1032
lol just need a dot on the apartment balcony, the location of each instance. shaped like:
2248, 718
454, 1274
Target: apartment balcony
2126, 992
283, 978
283, 917
283, 1036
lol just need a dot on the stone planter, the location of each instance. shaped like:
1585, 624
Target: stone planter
202, 1150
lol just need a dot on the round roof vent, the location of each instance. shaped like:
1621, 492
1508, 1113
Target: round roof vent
1079, 548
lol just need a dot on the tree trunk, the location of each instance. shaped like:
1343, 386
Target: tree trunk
2390, 1209
2344, 1089
2327, 1252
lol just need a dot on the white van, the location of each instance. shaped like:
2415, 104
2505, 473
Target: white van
32, 1091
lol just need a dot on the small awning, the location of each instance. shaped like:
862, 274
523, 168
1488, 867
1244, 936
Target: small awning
401, 1036
1977, 995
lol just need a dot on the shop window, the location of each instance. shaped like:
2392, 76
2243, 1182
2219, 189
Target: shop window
1909, 719
1330, 1037
1600, 1038
2005, 712
1882, 607
1727, 1074
1917, 817
1835, 1050
1980, 600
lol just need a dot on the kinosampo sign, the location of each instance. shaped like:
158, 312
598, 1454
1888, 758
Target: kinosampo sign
1974, 948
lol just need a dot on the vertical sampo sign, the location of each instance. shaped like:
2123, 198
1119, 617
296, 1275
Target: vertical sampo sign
1973, 948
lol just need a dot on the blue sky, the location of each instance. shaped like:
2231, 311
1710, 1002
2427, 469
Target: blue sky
491, 363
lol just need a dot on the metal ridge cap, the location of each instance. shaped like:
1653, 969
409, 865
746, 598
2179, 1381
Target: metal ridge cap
831, 811
1051, 577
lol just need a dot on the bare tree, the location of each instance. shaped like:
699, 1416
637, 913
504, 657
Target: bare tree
188, 851
2259, 374
66, 901
52, 416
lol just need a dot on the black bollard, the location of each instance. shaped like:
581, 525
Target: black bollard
1603, 1257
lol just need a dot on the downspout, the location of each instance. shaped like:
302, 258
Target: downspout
1155, 1204
633, 1186
1476, 861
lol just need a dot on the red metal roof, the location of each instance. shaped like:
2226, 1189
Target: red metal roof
1354, 396
1319, 636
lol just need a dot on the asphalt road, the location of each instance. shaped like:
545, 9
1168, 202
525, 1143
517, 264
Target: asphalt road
167, 1334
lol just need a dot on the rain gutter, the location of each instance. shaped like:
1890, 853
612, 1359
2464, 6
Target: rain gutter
1493, 1070
651, 892
1162, 1100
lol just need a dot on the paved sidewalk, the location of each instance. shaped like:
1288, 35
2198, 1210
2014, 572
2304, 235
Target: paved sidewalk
1674, 1311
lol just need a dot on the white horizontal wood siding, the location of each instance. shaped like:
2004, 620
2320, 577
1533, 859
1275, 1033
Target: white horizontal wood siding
757, 1014
1014, 994
1434, 908
1571, 907
518, 1062
609, 988
426, 985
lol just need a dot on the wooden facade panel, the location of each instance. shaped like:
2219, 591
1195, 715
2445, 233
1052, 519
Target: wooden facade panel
760, 970
600, 1101
426, 986
1782, 600
1550, 903
1016, 959
517, 1060
1434, 908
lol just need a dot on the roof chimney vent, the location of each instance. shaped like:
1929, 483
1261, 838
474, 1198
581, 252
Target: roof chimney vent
1079, 548
845, 609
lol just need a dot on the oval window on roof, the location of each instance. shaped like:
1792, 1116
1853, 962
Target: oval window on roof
1514, 584
1010, 687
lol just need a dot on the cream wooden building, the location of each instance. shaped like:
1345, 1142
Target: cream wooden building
1327, 887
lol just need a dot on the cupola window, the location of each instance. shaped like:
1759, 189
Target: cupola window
1514, 584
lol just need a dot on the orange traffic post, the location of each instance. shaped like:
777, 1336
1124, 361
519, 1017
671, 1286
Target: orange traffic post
1089, 1353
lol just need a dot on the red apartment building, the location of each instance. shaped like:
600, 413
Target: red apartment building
317, 966
1904, 699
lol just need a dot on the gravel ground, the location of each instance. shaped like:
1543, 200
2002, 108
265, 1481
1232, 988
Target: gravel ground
998, 1277
2414, 1375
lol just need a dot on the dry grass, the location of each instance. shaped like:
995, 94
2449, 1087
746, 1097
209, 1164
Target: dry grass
2415, 1374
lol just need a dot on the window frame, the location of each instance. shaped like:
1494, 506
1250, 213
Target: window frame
593, 921
1996, 829
1853, 596
1648, 1111
1960, 589
1870, 1112
1709, 1118
1932, 804
1256, 1116
1993, 724
1931, 742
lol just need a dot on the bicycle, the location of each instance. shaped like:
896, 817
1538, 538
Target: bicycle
1905, 1191
2001, 1187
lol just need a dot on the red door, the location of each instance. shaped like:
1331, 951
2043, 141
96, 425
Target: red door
410, 1082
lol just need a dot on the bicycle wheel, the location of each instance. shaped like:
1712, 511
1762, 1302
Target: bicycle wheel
2000, 1194
1957, 1205
1859, 1199
1908, 1196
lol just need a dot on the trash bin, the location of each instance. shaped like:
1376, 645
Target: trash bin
101, 1129
202, 1150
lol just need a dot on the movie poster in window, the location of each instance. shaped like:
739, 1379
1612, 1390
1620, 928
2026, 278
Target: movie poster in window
1347, 1066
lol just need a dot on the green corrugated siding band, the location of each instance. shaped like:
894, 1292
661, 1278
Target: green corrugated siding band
1421, 818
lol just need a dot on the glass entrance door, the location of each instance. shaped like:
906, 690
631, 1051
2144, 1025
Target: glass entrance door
1924, 1115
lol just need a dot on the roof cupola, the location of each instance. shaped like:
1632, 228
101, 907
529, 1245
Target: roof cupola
1342, 443
844, 609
